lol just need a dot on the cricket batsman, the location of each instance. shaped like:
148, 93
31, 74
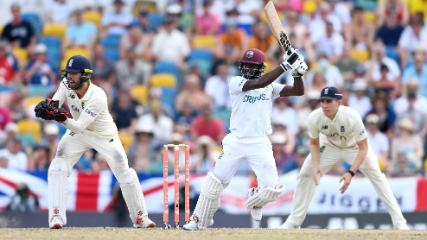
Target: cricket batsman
343, 139
92, 127
252, 94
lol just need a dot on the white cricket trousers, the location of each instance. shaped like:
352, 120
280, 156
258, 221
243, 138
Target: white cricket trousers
72, 146
330, 156
258, 152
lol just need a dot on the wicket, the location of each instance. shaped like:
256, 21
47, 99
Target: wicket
166, 224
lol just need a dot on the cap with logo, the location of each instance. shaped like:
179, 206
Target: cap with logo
330, 93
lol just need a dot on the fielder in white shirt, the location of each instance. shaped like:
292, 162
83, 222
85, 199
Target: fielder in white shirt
91, 127
343, 139
252, 94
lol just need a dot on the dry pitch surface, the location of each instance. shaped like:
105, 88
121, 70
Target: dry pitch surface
216, 233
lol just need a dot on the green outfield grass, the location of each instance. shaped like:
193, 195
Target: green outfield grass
216, 233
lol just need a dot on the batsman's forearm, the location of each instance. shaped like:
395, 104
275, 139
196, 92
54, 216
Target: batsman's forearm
315, 153
359, 159
298, 86
264, 80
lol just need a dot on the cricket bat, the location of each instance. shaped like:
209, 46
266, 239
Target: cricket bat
276, 26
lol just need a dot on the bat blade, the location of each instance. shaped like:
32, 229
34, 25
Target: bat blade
276, 26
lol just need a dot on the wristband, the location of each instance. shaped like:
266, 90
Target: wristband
351, 172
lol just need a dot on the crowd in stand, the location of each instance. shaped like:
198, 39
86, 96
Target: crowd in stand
375, 53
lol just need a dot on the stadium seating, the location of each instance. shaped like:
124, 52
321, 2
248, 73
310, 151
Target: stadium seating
35, 21
247, 28
29, 101
140, 94
54, 29
1, 30
30, 127
203, 58
163, 80
112, 48
28, 139
126, 140
360, 56
168, 97
21, 55
39, 90
155, 20
370, 17
392, 53
168, 67
94, 17
207, 42
53, 50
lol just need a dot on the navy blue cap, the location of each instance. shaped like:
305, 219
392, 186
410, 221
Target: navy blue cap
78, 63
330, 93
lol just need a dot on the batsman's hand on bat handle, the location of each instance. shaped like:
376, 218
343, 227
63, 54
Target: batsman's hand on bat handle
347, 180
295, 61
317, 169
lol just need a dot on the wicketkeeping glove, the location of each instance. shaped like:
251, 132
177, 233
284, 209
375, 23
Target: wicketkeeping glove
49, 110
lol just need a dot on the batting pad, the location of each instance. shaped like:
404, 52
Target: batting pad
132, 193
209, 200
260, 197
58, 187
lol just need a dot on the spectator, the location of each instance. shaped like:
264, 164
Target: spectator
402, 167
331, 44
115, 23
231, 43
141, 43
124, 111
318, 82
358, 100
346, 64
51, 132
4, 118
386, 115
24, 200
12, 131
155, 94
217, 88
418, 70
408, 144
99, 164
131, 71
398, 7
191, 94
81, 33
162, 125
283, 112
143, 22
17, 158
141, 152
341, 11
249, 11
284, 160
263, 40
170, 44
311, 104
103, 71
186, 116
418, 118
19, 33
8, 67
385, 82
206, 124
362, 31
207, 23
318, 24
205, 158
389, 33
58, 11
4, 162
412, 36
374, 64
39, 70
181, 11
330, 72
17, 106
40, 158
294, 26
377, 140
401, 105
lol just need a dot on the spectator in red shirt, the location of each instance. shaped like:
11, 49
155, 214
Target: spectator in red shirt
8, 66
206, 124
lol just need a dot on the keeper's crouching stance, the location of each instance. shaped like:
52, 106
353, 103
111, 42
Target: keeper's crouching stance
92, 127
344, 139
252, 94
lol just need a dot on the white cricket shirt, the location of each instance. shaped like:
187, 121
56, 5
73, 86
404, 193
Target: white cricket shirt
343, 131
251, 110
90, 113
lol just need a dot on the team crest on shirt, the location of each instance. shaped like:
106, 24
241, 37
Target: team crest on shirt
220, 155
342, 129
72, 96
325, 127
83, 105
249, 54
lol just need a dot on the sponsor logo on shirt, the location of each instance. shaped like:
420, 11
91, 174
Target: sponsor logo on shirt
220, 155
83, 105
342, 129
88, 111
325, 127
72, 96
361, 132
75, 108
322, 149
252, 99
241, 82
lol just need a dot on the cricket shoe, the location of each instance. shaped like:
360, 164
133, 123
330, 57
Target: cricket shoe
287, 225
194, 226
56, 222
144, 223
401, 227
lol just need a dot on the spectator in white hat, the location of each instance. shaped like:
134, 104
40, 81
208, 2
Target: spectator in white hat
358, 100
39, 71
141, 152
17, 158
379, 142
401, 105
51, 131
